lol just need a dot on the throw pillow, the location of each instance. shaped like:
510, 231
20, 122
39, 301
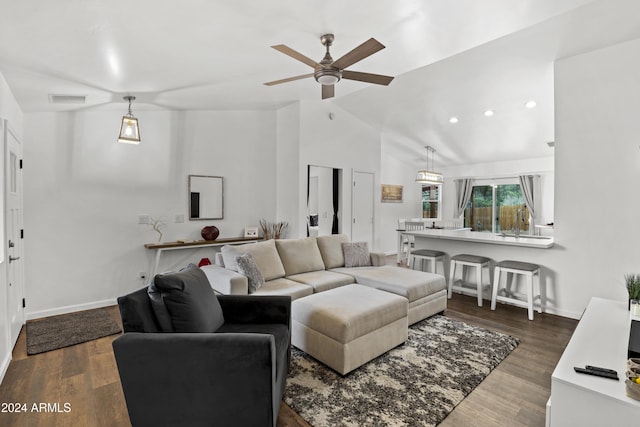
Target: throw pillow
356, 254
190, 301
247, 266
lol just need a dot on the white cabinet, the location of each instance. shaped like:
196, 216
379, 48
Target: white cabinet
600, 339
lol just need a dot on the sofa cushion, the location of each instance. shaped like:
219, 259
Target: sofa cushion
264, 253
356, 254
248, 267
411, 284
331, 249
190, 301
286, 287
322, 280
299, 255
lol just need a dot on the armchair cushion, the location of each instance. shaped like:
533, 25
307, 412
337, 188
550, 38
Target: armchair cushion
159, 308
190, 301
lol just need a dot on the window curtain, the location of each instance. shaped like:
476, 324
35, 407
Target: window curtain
308, 183
464, 188
528, 184
336, 200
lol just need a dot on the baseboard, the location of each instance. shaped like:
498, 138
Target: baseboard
30, 315
5, 365
564, 313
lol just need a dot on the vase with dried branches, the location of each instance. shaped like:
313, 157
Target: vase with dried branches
273, 230
158, 225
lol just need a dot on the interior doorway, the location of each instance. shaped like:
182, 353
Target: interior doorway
323, 200
13, 227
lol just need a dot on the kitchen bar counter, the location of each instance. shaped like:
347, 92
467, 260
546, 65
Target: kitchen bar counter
467, 235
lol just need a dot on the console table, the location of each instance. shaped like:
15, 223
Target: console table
600, 339
196, 244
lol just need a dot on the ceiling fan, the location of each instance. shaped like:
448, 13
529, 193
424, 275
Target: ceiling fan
328, 72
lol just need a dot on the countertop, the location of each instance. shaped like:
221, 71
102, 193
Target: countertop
540, 242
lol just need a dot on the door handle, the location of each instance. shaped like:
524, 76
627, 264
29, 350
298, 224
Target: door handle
11, 258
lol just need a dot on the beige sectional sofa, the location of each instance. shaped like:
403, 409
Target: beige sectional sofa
302, 267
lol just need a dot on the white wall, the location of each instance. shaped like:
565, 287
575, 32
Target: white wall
288, 169
397, 172
344, 142
84, 192
597, 165
9, 110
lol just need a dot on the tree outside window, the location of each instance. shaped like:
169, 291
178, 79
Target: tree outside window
493, 208
431, 201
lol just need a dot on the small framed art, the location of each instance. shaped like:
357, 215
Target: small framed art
391, 193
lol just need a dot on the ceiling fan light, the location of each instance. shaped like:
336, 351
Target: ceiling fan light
327, 76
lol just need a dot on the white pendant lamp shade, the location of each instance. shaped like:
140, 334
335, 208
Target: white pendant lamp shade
428, 176
129, 130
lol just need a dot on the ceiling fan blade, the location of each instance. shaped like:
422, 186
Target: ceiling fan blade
328, 91
377, 79
367, 48
289, 79
296, 55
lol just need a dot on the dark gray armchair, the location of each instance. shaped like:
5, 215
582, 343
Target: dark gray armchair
234, 376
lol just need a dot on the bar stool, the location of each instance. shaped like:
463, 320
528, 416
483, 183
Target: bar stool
430, 256
526, 269
466, 260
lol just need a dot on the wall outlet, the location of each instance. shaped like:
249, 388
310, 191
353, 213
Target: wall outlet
179, 218
144, 219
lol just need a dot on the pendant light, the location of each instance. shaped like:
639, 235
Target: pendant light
129, 131
428, 176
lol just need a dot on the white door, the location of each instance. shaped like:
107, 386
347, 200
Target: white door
362, 208
13, 221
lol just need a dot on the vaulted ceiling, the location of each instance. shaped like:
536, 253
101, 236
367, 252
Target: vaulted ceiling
450, 58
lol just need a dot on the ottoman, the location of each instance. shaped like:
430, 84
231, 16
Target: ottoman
426, 292
348, 326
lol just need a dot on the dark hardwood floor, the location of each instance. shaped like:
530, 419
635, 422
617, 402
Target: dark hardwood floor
85, 376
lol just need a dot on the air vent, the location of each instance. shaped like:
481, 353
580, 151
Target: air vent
67, 99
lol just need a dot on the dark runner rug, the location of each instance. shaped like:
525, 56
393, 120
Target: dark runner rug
51, 333
416, 384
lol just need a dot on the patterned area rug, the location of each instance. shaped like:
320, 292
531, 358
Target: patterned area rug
416, 384
51, 333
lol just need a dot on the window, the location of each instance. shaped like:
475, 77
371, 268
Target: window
494, 207
431, 201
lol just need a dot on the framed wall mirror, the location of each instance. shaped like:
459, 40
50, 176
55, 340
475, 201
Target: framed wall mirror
205, 197
323, 200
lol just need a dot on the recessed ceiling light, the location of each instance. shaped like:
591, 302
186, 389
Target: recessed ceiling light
488, 113
530, 104
453, 120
